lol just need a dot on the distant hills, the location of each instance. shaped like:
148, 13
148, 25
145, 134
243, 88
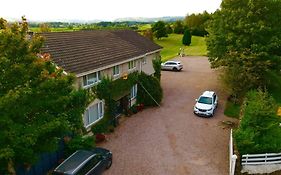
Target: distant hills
148, 20
129, 19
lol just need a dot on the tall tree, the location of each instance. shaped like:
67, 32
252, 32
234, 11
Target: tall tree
159, 29
186, 39
178, 27
38, 102
197, 23
246, 34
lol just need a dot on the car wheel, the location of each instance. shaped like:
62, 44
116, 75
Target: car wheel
109, 163
175, 69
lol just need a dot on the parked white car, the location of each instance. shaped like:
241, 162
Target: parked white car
172, 65
206, 104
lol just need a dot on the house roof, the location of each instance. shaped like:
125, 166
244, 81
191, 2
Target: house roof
82, 51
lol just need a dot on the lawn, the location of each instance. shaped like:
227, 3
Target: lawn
232, 110
144, 26
172, 44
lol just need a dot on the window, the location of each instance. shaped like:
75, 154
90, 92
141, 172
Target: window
116, 71
93, 113
91, 79
86, 168
134, 91
132, 65
205, 100
143, 61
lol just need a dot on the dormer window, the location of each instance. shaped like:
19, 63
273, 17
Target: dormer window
91, 79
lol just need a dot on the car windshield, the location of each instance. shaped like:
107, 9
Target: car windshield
205, 100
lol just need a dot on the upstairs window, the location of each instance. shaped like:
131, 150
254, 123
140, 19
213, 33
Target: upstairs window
91, 79
132, 64
116, 71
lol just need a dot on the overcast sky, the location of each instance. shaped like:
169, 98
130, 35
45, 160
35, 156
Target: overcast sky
53, 10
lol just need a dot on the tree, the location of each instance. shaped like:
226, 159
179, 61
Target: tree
44, 27
169, 29
186, 39
246, 34
178, 27
159, 29
148, 34
38, 102
197, 23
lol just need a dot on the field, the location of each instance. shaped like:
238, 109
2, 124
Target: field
172, 44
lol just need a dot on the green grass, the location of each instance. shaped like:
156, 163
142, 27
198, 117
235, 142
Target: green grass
144, 26
37, 29
172, 44
232, 110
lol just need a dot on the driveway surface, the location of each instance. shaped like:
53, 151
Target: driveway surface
171, 140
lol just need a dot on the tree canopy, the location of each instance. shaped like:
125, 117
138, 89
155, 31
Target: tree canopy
259, 127
178, 27
245, 39
38, 102
197, 23
159, 29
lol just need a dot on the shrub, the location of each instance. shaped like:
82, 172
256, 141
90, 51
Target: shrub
259, 127
100, 127
79, 142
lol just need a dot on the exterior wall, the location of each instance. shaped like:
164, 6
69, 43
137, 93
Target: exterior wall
124, 69
146, 67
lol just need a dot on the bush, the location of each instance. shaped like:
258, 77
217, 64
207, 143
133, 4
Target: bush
100, 127
259, 127
79, 142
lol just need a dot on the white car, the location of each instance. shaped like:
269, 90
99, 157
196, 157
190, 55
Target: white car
172, 65
206, 104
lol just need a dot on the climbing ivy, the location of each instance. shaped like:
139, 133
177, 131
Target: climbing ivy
157, 67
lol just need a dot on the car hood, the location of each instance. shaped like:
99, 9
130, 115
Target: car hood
203, 106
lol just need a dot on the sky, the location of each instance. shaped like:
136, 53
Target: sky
108, 10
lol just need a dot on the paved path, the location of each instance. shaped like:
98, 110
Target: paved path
171, 140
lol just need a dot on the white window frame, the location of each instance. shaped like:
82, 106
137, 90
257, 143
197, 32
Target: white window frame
144, 61
132, 65
100, 109
115, 74
134, 92
86, 77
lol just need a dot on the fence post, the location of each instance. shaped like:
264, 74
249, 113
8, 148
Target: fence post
233, 163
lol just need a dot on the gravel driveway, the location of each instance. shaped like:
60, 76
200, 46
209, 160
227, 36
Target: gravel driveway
171, 140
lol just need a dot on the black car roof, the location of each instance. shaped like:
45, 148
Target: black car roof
74, 161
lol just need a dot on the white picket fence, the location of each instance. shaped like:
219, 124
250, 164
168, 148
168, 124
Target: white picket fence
232, 157
261, 159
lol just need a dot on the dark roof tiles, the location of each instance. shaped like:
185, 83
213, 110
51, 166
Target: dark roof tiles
83, 51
